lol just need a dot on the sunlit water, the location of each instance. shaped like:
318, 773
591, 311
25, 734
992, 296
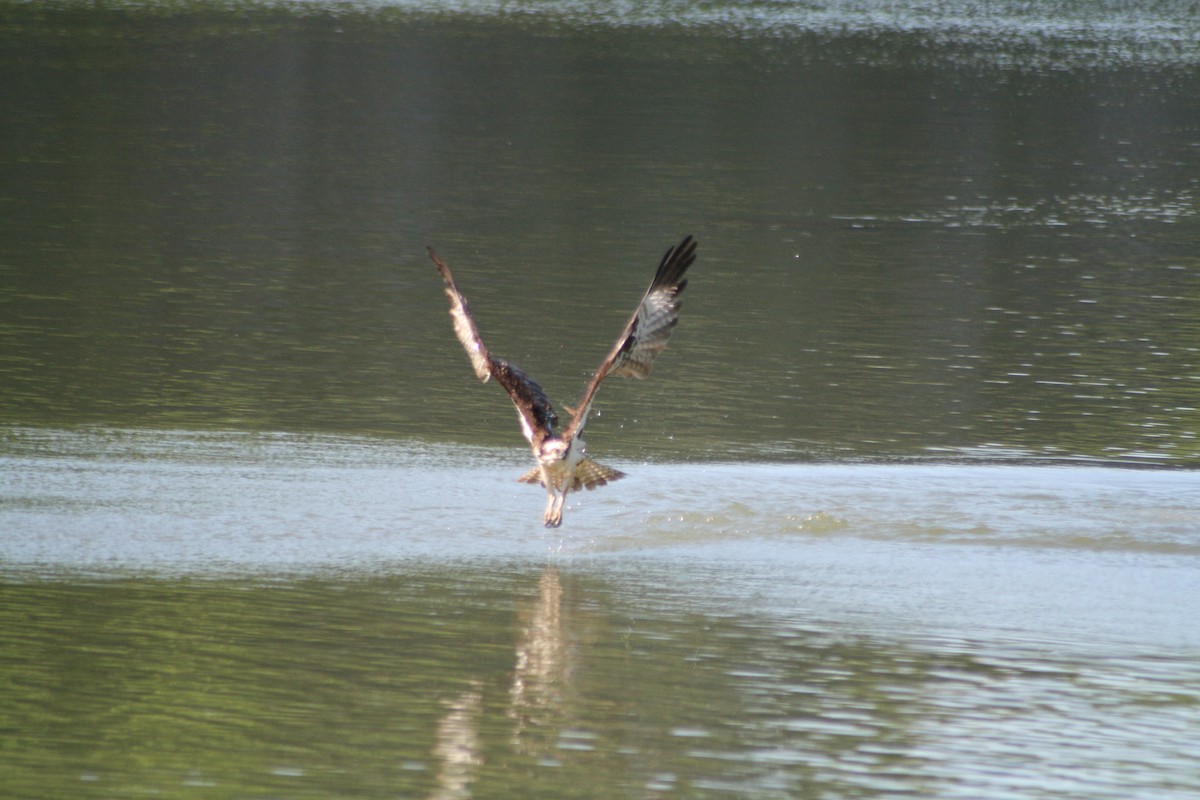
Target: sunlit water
254, 502
920, 516
237, 612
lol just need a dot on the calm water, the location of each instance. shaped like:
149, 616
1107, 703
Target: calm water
916, 236
912, 506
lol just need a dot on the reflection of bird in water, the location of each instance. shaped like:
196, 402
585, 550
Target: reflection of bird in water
458, 746
540, 677
562, 462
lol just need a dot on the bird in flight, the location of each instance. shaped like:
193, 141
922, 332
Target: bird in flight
562, 462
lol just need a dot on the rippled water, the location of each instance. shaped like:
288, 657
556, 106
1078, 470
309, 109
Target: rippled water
253, 502
217, 218
307, 615
912, 506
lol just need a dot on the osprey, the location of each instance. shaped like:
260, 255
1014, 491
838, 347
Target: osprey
562, 462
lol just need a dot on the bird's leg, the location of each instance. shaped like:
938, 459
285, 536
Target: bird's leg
553, 516
554, 504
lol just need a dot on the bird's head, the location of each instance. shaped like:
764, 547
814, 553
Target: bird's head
552, 451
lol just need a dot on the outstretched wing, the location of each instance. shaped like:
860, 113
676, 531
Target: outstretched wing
533, 408
538, 419
464, 323
648, 330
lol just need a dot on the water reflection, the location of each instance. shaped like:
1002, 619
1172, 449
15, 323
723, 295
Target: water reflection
941, 231
510, 679
457, 746
539, 683
948, 232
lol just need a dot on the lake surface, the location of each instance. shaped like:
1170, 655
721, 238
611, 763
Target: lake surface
913, 238
912, 506
303, 615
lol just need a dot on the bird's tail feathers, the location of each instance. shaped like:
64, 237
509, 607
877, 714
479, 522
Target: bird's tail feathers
588, 475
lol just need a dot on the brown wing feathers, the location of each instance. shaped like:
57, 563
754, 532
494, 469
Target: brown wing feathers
464, 324
656, 316
648, 329
533, 407
538, 419
632, 356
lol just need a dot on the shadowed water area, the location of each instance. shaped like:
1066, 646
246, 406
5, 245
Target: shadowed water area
912, 505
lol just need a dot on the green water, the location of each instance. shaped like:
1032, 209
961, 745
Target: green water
235, 614
216, 217
578, 681
259, 530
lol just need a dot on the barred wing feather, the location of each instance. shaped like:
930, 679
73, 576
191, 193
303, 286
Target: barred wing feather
646, 334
